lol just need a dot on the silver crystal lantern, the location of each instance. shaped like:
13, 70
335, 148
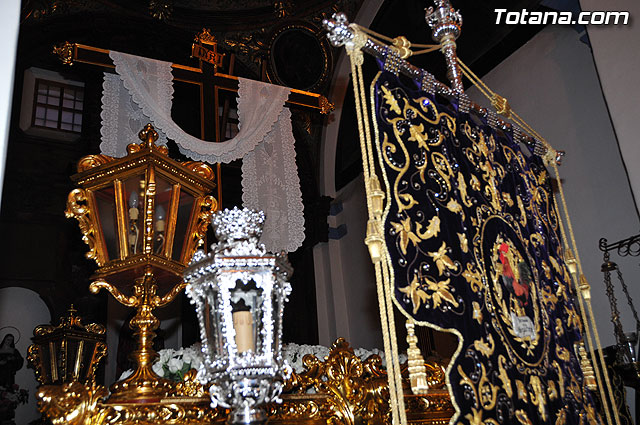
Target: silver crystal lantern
239, 291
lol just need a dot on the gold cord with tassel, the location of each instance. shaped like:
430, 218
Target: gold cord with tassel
374, 239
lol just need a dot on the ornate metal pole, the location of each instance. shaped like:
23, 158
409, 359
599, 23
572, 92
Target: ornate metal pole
446, 24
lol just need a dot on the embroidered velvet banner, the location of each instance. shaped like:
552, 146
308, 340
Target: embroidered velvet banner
474, 241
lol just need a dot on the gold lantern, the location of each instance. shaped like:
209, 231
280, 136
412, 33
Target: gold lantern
143, 216
69, 352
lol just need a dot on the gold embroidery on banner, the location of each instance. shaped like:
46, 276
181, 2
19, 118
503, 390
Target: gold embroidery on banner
485, 348
475, 183
464, 243
522, 391
538, 399
473, 277
442, 260
403, 229
558, 369
551, 390
477, 312
415, 293
391, 100
488, 391
522, 417
504, 378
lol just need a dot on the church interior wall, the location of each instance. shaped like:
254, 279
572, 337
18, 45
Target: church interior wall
618, 67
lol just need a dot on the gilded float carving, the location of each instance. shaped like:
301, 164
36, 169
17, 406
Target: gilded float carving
348, 390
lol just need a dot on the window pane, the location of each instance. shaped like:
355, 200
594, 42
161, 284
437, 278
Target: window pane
67, 117
52, 114
58, 106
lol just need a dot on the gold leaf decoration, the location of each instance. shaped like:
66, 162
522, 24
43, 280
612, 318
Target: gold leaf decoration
561, 419
473, 278
552, 392
522, 391
539, 399
464, 243
433, 228
417, 135
391, 100
415, 293
408, 199
475, 183
440, 292
443, 262
477, 312
504, 378
403, 229
522, 417
454, 206
562, 353
462, 187
485, 348
507, 199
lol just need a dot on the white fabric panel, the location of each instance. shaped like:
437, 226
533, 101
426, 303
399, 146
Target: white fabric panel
142, 90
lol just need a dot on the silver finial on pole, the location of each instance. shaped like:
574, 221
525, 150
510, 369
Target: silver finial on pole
338, 31
446, 24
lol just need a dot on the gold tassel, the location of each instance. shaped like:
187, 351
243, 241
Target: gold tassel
417, 369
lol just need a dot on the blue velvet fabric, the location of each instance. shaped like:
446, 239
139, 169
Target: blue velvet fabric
475, 247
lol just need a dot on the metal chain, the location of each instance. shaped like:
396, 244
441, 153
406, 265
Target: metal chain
629, 299
615, 313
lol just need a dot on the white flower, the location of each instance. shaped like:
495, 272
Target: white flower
165, 355
174, 364
192, 357
125, 375
157, 368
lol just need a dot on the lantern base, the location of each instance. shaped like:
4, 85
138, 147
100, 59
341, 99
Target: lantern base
247, 416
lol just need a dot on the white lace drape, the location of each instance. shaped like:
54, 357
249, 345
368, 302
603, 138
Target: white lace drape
141, 92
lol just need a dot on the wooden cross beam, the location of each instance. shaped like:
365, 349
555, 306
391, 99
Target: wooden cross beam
74, 52
210, 84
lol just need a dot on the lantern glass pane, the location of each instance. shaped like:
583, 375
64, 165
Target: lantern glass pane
162, 202
212, 318
246, 307
134, 207
106, 206
45, 356
185, 207
72, 358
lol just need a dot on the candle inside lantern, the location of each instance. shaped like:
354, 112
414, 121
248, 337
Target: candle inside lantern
243, 325
160, 217
133, 205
